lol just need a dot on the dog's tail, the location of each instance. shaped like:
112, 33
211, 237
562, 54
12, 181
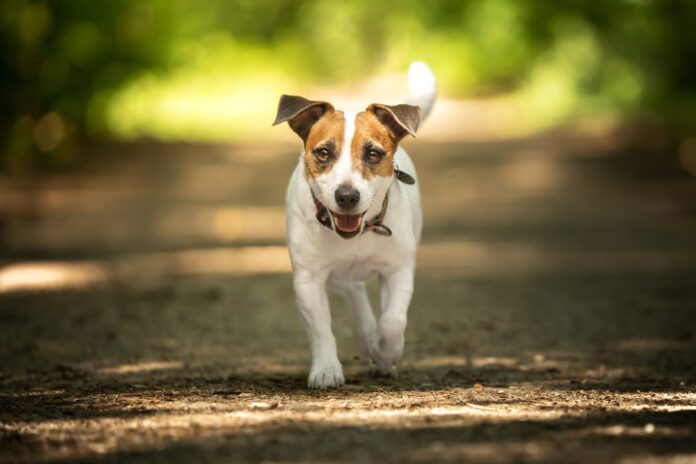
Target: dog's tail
422, 88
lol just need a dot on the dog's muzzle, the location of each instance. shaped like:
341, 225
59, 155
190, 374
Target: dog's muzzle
351, 225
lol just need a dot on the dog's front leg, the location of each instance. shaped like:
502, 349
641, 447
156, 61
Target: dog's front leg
326, 370
396, 290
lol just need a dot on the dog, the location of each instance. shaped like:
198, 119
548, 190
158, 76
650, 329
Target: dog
353, 210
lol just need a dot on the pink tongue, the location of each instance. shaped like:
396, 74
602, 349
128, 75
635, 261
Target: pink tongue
348, 222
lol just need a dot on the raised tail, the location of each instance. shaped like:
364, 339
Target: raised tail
422, 88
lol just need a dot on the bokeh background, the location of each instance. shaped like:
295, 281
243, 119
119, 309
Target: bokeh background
146, 304
179, 70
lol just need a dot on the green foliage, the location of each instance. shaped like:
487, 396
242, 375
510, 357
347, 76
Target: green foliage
135, 68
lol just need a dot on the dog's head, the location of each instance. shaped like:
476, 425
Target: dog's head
348, 157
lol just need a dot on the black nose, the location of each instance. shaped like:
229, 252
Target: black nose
347, 197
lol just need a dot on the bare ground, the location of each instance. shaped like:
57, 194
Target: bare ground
147, 315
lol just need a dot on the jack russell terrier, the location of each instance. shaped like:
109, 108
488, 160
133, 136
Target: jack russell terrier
353, 209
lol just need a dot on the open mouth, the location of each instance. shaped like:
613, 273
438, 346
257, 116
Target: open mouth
347, 225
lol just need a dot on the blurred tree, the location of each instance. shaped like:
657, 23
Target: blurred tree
67, 61
58, 55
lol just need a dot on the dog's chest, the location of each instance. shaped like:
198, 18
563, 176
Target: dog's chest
366, 252
356, 269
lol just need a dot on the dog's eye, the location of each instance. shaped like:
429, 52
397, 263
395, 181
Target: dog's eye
373, 155
322, 154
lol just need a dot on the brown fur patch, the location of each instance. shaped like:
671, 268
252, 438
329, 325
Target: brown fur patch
369, 129
329, 127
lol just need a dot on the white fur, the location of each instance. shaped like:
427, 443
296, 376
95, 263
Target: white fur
321, 258
422, 87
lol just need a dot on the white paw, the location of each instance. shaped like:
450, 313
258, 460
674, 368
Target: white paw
387, 350
391, 373
326, 377
385, 354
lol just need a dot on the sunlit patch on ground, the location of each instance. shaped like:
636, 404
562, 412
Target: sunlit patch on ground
222, 419
141, 367
232, 261
464, 258
33, 276
227, 224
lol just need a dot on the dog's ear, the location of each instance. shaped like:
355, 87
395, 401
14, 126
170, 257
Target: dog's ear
301, 113
399, 119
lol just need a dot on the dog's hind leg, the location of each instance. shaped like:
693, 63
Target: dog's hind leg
396, 290
364, 322
362, 316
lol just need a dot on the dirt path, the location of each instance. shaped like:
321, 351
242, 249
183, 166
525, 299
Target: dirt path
146, 313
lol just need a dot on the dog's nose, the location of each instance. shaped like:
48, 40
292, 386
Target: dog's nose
347, 196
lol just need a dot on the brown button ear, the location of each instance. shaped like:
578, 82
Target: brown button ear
300, 113
399, 119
